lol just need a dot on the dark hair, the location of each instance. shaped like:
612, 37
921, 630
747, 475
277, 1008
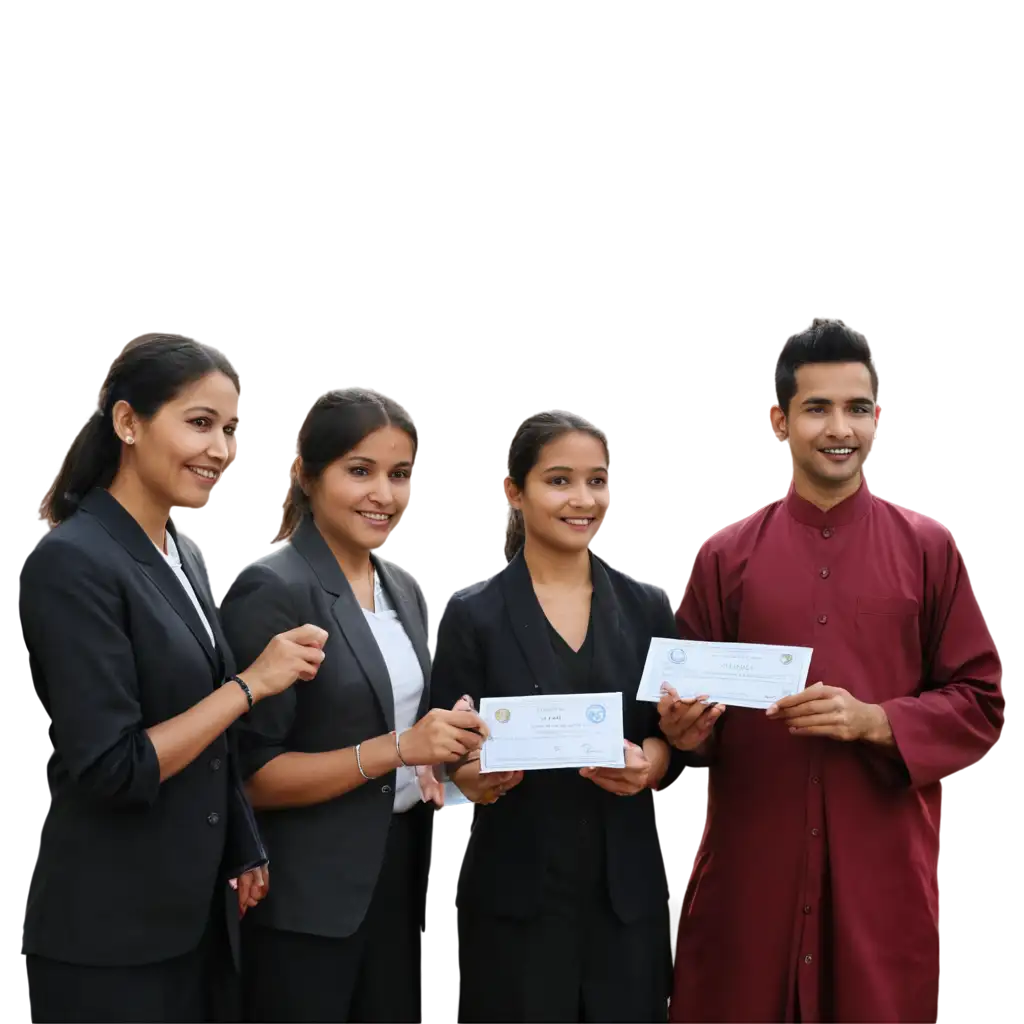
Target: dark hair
337, 422
531, 438
825, 341
150, 371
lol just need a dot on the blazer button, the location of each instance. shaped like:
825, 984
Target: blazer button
215, 765
385, 789
213, 817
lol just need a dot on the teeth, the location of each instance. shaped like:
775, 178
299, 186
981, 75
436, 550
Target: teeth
838, 451
206, 474
578, 522
377, 517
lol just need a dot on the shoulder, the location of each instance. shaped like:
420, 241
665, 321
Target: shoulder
402, 576
920, 530
276, 573
646, 594
476, 602
78, 546
744, 533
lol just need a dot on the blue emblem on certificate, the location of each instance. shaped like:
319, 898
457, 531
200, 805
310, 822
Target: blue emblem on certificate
678, 655
596, 713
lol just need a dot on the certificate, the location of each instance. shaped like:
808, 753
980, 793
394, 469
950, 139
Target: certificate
571, 730
744, 675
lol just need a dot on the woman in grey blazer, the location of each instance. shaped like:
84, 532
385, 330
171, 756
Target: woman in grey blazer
331, 766
130, 915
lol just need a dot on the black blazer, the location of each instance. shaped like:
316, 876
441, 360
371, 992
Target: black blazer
494, 641
128, 868
326, 857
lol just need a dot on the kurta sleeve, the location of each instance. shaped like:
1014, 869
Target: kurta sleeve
258, 607
663, 623
73, 620
958, 714
704, 613
458, 663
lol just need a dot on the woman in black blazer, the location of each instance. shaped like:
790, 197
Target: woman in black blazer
130, 913
331, 766
563, 902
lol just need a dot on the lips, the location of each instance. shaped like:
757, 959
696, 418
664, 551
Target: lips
205, 473
377, 518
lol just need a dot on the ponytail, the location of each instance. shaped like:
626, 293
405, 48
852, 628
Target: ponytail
92, 461
515, 534
295, 508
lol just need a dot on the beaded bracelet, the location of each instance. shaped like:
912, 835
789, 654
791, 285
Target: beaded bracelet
245, 689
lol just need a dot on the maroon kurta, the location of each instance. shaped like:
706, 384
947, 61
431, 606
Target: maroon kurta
814, 892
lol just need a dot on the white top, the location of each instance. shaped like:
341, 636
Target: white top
173, 559
406, 682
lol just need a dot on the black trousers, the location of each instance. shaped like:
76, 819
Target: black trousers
372, 975
200, 986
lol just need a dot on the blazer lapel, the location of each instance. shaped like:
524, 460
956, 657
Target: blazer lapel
309, 543
529, 625
411, 619
612, 669
195, 575
122, 526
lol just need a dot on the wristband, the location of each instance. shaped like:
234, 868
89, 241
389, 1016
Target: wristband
245, 689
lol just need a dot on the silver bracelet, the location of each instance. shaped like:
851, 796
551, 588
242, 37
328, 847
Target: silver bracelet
359, 763
398, 750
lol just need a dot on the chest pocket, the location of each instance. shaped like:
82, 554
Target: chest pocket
888, 641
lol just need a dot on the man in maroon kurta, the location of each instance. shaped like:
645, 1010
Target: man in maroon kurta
814, 890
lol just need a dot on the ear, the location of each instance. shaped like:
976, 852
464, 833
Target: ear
779, 424
125, 421
513, 493
878, 412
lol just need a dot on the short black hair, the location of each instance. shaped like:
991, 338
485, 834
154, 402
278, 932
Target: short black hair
825, 341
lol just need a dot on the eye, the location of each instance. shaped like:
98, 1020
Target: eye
558, 481
816, 408
401, 474
358, 471
202, 422
598, 481
230, 429
863, 410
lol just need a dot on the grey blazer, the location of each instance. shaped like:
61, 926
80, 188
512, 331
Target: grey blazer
325, 858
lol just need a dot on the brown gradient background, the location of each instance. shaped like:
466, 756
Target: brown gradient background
597, 171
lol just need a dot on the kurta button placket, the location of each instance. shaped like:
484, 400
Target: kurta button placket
825, 572
827, 532
822, 620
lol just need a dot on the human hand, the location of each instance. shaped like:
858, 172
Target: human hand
295, 654
483, 787
687, 722
625, 781
251, 887
833, 712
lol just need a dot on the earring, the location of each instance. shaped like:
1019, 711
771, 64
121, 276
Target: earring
129, 439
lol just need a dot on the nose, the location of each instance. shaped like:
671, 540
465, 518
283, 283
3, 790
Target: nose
218, 448
579, 496
383, 493
839, 424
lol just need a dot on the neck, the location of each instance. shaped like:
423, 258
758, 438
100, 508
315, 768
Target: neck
548, 566
148, 512
353, 562
825, 495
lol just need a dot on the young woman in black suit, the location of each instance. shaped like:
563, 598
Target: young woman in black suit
331, 766
130, 913
563, 902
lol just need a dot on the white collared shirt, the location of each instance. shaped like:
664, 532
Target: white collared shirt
173, 559
406, 682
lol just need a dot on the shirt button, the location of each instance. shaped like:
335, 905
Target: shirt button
825, 573
385, 789
807, 908
815, 779
213, 817
215, 765
822, 619
808, 959
815, 831
827, 532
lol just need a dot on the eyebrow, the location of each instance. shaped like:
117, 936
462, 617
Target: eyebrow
209, 412
828, 401
570, 469
373, 462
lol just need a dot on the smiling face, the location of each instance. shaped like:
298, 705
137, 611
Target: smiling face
830, 424
565, 495
360, 497
181, 452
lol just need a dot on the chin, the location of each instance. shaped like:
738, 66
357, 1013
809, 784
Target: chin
192, 500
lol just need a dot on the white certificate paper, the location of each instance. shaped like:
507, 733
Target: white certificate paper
744, 675
571, 730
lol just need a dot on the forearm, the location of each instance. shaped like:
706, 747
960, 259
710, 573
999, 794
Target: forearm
295, 779
878, 732
658, 753
180, 740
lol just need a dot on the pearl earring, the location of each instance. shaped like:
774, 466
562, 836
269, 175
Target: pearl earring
129, 439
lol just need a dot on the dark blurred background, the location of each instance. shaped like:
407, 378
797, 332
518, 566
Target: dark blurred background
527, 199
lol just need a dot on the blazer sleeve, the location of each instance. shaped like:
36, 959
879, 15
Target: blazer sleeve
458, 668
258, 606
663, 623
74, 623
